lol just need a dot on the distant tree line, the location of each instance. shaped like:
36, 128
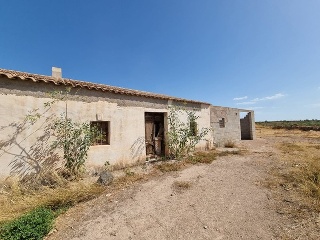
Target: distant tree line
304, 125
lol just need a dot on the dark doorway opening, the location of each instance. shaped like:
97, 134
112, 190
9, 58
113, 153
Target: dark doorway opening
154, 134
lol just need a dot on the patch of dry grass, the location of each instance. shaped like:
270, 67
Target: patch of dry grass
264, 131
16, 200
226, 153
180, 186
127, 179
202, 157
299, 158
302, 171
287, 147
170, 166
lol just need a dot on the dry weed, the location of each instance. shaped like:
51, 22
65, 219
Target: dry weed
180, 186
290, 147
127, 180
202, 157
169, 167
234, 152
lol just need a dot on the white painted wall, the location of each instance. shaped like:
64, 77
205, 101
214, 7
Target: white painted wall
126, 116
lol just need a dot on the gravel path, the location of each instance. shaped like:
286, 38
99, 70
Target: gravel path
223, 200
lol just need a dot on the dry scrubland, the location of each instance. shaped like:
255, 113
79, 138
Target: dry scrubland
297, 166
268, 188
295, 180
18, 198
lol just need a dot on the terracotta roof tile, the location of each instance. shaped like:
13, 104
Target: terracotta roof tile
11, 74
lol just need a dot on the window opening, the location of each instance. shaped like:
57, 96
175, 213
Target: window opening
222, 123
102, 135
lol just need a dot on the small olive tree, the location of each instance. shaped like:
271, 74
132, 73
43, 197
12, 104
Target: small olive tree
75, 140
182, 137
72, 138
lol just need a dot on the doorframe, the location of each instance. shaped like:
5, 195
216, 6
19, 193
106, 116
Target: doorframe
164, 122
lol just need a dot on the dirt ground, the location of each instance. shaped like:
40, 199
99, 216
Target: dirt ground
227, 199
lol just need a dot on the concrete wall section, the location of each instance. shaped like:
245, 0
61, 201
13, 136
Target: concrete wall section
225, 123
248, 127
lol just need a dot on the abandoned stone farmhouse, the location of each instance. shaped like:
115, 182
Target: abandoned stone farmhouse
134, 123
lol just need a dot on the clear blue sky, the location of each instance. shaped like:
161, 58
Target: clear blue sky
251, 54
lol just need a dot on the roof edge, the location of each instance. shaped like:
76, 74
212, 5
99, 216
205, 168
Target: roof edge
12, 74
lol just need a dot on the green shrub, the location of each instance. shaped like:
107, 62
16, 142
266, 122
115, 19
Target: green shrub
33, 225
183, 136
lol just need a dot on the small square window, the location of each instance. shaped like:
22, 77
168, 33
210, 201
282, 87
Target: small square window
102, 136
222, 123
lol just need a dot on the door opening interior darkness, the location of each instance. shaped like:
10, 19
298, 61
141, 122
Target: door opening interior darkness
154, 134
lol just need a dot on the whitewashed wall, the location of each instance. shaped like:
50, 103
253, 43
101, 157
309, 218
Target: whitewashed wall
25, 146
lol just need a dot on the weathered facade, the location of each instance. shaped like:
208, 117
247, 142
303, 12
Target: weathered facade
134, 122
229, 126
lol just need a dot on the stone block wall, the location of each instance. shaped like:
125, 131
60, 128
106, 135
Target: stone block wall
248, 127
225, 123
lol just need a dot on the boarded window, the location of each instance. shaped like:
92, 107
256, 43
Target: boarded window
102, 135
222, 123
193, 128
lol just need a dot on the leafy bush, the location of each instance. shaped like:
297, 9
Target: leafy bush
182, 137
33, 225
66, 136
75, 140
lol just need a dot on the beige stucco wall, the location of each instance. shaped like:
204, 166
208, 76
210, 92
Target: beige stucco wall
204, 122
24, 146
